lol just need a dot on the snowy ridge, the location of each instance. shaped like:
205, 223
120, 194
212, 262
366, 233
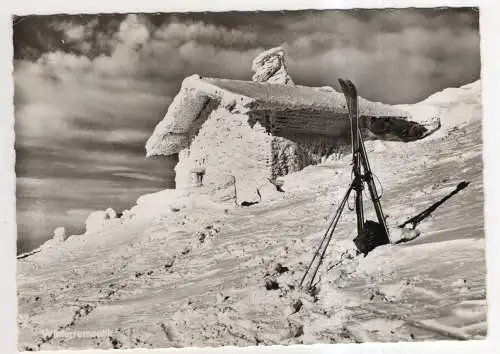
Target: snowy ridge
454, 106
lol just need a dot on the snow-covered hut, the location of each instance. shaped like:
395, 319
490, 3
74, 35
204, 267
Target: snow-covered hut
262, 129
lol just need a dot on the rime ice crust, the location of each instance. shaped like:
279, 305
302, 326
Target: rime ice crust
270, 66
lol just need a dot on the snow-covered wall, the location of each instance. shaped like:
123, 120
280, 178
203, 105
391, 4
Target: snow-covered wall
227, 147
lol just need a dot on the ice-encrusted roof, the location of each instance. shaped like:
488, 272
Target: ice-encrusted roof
198, 96
275, 96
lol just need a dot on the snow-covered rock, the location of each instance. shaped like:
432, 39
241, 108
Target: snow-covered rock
270, 66
59, 234
270, 190
98, 219
110, 213
160, 202
397, 234
127, 215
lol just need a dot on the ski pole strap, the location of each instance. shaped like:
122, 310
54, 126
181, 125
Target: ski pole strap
367, 176
358, 183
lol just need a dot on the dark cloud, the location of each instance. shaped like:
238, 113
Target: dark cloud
89, 89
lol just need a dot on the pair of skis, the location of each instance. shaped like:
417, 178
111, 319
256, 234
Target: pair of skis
360, 160
359, 155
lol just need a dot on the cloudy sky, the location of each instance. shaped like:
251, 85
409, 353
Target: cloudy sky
89, 89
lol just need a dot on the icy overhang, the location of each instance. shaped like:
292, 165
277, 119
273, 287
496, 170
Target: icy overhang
281, 108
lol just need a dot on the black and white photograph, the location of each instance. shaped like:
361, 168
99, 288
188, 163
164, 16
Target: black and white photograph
248, 178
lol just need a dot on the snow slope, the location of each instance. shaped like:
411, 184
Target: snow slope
181, 270
456, 106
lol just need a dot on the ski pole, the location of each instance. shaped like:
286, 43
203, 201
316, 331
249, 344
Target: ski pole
334, 225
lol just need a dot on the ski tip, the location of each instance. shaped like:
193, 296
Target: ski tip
352, 87
348, 87
344, 86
